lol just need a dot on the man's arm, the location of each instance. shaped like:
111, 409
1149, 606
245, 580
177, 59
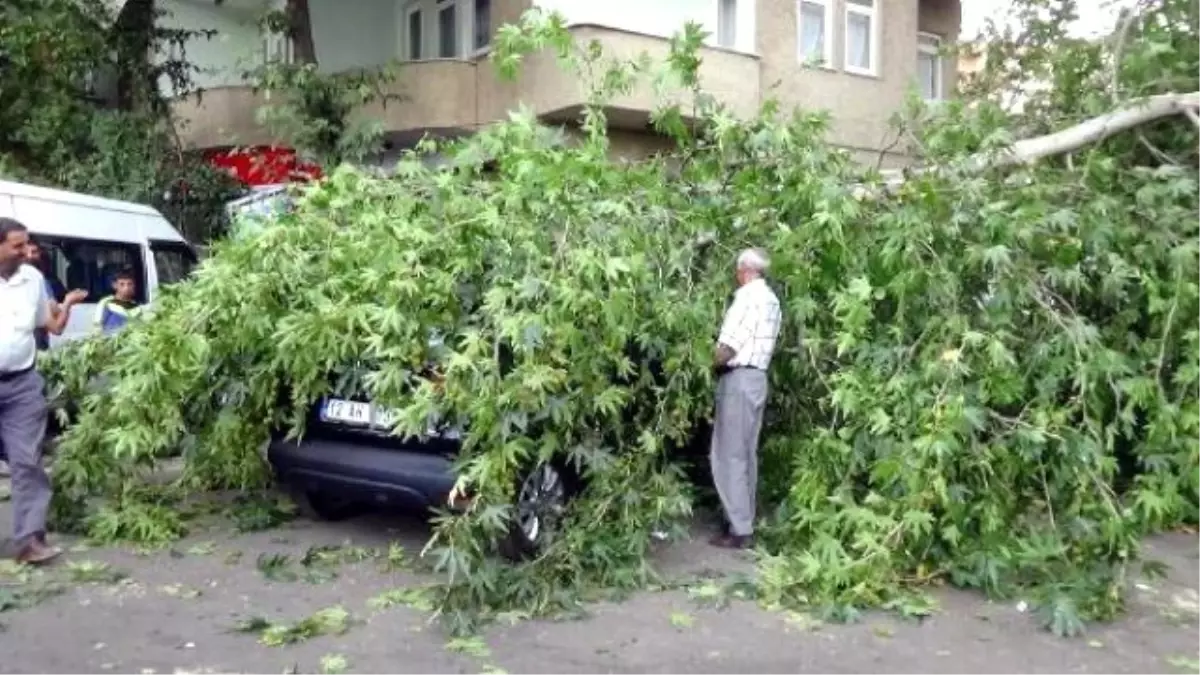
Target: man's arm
53, 316
735, 332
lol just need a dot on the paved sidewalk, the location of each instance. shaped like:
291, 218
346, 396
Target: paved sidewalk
176, 613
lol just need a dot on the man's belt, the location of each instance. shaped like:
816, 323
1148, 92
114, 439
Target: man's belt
725, 370
6, 375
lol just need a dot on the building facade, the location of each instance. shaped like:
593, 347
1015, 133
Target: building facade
856, 58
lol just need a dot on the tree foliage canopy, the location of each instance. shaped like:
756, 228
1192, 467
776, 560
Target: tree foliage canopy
80, 107
987, 378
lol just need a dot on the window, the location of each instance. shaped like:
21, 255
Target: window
727, 23
277, 48
860, 36
91, 265
172, 260
813, 29
929, 66
415, 51
483, 24
447, 19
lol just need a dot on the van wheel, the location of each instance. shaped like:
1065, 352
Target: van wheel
539, 509
323, 506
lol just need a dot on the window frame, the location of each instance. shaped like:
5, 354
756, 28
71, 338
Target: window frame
418, 10
939, 67
872, 15
276, 48
827, 50
476, 48
727, 32
169, 246
439, 7
52, 245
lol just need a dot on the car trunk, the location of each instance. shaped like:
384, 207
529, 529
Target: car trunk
347, 413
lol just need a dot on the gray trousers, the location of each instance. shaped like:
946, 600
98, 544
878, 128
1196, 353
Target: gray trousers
741, 398
23, 411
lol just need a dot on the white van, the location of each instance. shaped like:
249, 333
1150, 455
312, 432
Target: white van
89, 239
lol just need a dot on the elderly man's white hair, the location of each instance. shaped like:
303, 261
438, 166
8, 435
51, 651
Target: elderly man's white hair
753, 259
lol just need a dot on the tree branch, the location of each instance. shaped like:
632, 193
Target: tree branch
1133, 113
1192, 116
1136, 113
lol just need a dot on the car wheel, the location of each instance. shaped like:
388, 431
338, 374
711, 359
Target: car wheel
323, 506
541, 501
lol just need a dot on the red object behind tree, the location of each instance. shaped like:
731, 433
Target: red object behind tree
263, 165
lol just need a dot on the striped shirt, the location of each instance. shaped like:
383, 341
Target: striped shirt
751, 325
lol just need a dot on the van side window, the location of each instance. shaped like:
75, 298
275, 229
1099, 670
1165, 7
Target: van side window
92, 265
173, 261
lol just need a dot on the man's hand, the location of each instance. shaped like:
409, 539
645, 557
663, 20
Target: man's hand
57, 315
723, 356
75, 297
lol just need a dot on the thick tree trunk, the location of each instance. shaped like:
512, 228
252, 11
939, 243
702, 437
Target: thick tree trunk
134, 30
300, 31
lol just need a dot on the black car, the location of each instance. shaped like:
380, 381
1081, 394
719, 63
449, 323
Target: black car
348, 459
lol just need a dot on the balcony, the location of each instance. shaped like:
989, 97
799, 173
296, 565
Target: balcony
219, 117
555, 94
435, 96
460, 95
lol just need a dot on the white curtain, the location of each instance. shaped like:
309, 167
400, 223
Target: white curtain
812, 31
858, 40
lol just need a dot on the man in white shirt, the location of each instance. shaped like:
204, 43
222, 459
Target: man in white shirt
24, 307
744, 349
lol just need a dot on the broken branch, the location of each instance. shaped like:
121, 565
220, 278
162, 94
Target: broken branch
1133, 113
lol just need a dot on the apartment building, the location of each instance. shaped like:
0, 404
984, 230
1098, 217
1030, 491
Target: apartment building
856, 58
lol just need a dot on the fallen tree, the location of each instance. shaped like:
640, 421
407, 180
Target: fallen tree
1130, 115
963, 369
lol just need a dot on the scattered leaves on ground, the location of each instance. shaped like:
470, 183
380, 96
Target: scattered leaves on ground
91, 571
253, 513
1185, 664
329, 621
414, 597
334, 664
470, 645
682, 620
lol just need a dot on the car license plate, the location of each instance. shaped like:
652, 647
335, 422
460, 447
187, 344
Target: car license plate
385, 418
365, 414
346, 412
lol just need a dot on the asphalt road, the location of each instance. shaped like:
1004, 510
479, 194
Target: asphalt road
176, 613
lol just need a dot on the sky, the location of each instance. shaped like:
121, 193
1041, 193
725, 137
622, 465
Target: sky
1095, 16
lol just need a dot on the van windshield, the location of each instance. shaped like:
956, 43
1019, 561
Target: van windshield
173, 261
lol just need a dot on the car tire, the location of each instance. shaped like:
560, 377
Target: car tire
542, 495
324, 506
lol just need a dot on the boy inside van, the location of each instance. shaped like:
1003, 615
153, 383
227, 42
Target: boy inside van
113, 312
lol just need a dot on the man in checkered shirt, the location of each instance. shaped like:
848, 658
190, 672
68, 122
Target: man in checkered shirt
744, 349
